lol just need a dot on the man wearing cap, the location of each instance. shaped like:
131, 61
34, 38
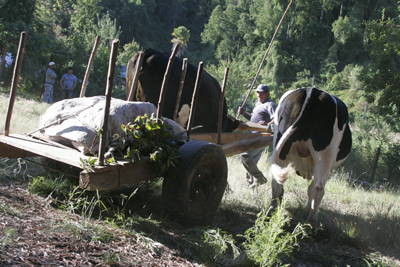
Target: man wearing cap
262, 114
49, 82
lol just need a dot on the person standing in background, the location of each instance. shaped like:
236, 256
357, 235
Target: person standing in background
49, 83
68, 83
262, 114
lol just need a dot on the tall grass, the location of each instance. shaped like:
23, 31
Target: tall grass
353, 214
26, 114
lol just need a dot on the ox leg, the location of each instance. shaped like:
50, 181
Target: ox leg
316, 190
277, 194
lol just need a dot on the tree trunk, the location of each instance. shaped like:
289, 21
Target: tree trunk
375, 164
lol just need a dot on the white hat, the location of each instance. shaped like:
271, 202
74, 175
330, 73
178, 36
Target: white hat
51, 63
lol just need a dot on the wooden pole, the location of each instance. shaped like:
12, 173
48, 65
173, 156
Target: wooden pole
89, 66
110, 79
14, 81
221, 106
244, 145
263, 59
132, 90
180, 89
167, 73
194, 98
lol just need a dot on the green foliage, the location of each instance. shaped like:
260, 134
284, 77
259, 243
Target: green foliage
8, 236
127, 52
149, 137
268, 243
181, 35
45, 186
221, 243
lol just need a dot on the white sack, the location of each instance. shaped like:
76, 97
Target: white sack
78, 120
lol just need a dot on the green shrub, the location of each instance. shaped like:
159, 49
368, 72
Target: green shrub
45, 186
268, 243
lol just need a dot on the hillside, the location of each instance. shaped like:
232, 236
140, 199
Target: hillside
358, 226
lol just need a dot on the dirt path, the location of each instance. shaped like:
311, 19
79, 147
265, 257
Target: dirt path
34, 233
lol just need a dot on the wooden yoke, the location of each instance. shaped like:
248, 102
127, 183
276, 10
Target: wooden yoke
110, 79
133, 89
14, 81
89, 66
164, 84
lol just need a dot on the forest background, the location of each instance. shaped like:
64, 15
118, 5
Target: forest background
350, 48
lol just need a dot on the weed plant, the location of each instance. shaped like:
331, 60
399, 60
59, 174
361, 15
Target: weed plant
268, 242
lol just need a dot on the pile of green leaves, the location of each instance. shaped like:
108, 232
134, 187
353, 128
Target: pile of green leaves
149, 138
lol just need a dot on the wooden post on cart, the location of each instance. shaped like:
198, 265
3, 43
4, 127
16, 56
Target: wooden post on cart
110, 79
194, 98
14, 81
221, 106
133, 89
180, 89
167, 73
89, 66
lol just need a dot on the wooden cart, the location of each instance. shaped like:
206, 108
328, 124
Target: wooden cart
192, 190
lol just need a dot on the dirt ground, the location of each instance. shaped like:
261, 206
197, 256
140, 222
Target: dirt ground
34, 233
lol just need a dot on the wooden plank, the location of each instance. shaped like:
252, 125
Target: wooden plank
194, 97
7, 151
221, 106
252, 126
164, 84
118, 176
14, 81
226, 138
110, 80
133, 89
89, 66
241, 146
68, 156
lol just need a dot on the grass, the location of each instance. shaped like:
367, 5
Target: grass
7, 236
9, 211
26, 114
359, 227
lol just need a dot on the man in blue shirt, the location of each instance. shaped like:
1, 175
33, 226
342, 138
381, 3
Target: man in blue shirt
262, 114
68, 83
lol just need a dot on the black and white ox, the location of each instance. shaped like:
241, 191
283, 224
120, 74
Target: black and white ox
312, 136
150, 79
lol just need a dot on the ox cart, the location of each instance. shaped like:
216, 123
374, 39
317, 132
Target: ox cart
192, 190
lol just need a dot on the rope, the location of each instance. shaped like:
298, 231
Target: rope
263, 59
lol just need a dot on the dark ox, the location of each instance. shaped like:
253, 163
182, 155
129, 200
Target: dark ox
150, 79
313, 136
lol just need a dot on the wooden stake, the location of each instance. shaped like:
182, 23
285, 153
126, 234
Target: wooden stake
180, 89
110, 79
194, 98
263, 58
89, 66
139, 63
167, 73
221, 106
14, 81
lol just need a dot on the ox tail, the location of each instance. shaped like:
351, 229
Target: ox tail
279, 173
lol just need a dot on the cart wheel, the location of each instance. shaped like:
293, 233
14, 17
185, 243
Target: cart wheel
192, 190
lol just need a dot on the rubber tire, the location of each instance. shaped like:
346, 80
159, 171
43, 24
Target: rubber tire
192, 190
